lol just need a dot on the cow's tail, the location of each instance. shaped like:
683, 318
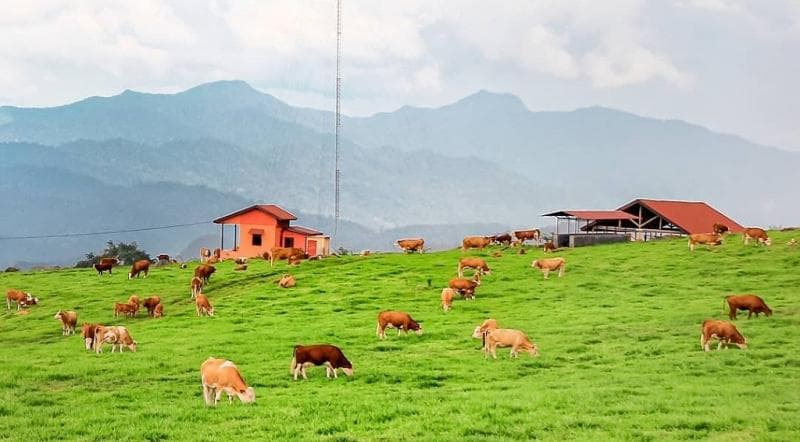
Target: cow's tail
293, 365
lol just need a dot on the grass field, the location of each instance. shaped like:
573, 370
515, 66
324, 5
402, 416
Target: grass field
618, 335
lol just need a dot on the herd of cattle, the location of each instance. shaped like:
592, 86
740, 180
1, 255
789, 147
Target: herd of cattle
219, 375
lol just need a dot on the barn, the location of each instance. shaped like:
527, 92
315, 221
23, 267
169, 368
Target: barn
641, 219
260, 227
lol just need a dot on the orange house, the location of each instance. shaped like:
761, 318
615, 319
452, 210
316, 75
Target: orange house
261, 227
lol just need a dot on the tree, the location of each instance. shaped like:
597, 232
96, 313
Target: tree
126, 253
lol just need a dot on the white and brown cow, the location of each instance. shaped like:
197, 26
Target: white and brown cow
220, 375
68, 321
116, 335
725, 332
758, 234
328, 355
505, 337
547, 265
411, 245
709, 239
19, 297
477, 264
447, 299
402, 321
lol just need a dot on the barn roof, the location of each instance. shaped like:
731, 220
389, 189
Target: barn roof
270, 209
594, 214
303, 230
689, 216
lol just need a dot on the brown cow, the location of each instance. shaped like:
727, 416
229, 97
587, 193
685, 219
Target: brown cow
117, 336
504, 337
447, 299
709, 239
140, 266
111, 261
204, 272
723, 331
158, 312
475, 242
279, 253
151, 303
524, 235
546, 265
87, 333
203, 306
502, 239
757, 234
751, 303
286, 281
466, 287
218, 254
100, 268
549, 246
477, 264
402, 321
321, 354
124, 309
220, 375
134, 301
411, 244
68, 321
719, 228
21, 298
197, 286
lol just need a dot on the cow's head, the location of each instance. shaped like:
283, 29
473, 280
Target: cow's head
535, 263
347, 370
248, 396
416, 327
766, 242
477, 333
534, 351
132, 346
58, 315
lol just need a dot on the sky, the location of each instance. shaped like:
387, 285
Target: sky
729, 65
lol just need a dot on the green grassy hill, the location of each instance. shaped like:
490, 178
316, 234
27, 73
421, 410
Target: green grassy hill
618, 335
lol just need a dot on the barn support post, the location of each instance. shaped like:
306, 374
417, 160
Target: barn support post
222, 236
235, 237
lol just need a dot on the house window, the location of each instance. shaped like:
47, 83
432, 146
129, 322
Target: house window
256, 239
288, 242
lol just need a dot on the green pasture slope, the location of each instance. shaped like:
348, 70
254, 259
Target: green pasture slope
619, 340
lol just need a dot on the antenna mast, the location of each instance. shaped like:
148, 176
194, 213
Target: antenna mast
338, 108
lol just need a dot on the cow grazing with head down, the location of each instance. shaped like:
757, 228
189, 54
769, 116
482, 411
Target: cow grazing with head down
68, 321
204, 272
719, 228
475, 242
134, 302
760, 235
124, 309
140, 266
402, 321
87, 333
151, 303
158, 311
466, 287
100, 268
117, 336
286, 281
504, 337
411, 245
447, 299
547, 265
725, 332
22, 299
321, 354
203, 306
751, 303
197, 286
220, 375
477, 264
281, 253
709, 239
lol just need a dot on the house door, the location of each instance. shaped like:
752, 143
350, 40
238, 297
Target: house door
312, 248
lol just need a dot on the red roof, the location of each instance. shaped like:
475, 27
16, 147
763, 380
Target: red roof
689, 216
595, 215
270, 209
303, 230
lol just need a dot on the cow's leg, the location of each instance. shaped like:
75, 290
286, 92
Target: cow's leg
546, 273
561, 271
303, 372
719, 344
217, 396
494, 351
297, 371
750, 314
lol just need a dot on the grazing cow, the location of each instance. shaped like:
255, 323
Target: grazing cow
751, 303
197, 286
475, 242
476, 264
286, 281
402, 321
725, 332
68, 321
125, 309
158, 312
709, 239
321, 354
489, 324
87, 333
546, 265
279, 253
524, 235
100, 268
204, 272
220, 375
21, 298
757, 234
134, 301
117, 336
719, 228
151, 303
411, 245
111, 261
502, 239
140, 266
466, 287
202, 306
549, 246
447, 299
504, 337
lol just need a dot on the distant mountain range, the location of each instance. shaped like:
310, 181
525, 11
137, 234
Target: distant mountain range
484, 162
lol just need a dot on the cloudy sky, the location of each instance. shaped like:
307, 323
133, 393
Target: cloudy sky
730, 65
